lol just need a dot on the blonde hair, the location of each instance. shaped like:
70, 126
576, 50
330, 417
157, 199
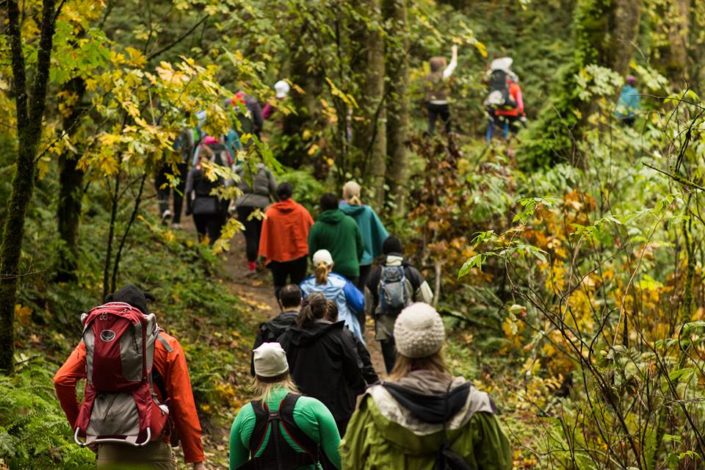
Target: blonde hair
405, 365
264, 390
321, 272
351, 193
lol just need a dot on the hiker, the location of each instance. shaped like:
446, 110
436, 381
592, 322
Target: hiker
208, 209
257, 188
628, 104
371, 229
115, 378
365, 365
282, 429
423, 417
185, 144
394, 285
249, 113
323, 360
437, 88
289, 300
504, 103
283, 242
339, 234
281, 91
336, 288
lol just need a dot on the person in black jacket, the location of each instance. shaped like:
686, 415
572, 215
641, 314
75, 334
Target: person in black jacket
414, 289
270, 332
323, 360
368, 370
209, 211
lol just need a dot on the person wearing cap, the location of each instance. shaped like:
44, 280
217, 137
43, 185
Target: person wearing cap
508, 118
416, 290
172, 371
422, 410
371, 229
437, 89
305, 436
323, 359
281, 91
628, 104
347, 297
339, 234
283, 243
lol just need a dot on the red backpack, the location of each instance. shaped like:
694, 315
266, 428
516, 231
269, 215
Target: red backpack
119, 403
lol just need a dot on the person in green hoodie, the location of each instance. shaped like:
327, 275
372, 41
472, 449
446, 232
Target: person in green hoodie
339, 234
424, 415
305, 435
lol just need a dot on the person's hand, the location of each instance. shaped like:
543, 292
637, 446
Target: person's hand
454, 49
199, 466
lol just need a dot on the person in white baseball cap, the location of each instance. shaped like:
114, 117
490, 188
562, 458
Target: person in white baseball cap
256, 437
281, 92
423, 414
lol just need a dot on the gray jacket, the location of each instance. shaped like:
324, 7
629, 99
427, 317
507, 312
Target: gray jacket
263, 187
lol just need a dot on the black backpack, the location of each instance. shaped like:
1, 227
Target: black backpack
394, 290
499, 96
278, 454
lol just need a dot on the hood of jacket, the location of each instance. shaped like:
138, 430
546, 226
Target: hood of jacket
352, 210
332, 216
299, 336
404, 419
285, 207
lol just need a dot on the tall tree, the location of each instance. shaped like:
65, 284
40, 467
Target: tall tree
30, 104
397, 68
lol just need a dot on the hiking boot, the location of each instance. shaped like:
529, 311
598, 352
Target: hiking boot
176, 226
165, 216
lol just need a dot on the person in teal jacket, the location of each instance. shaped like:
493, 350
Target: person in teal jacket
306, 435
423, 414
339, 234
629, 101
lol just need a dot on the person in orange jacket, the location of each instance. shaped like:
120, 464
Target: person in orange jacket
172, 370
508, 116
284, 239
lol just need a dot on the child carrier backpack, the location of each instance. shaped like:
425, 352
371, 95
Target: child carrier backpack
119, 403
499, 96
394, 290
277, 453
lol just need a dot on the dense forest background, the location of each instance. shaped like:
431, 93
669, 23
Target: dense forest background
568, 262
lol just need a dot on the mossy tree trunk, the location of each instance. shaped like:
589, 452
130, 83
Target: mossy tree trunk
30, 105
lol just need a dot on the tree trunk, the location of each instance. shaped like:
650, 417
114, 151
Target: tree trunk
626, 19
677, 64
397, 68
68, 212
374, 106
30, 110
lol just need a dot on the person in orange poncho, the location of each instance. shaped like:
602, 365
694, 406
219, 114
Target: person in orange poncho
284, 240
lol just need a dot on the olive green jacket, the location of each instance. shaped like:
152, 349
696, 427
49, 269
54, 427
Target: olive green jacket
383, 435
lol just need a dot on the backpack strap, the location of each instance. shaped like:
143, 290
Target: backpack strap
260, 429
286, 413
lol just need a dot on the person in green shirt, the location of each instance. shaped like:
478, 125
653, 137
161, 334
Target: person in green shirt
282, 429
423, 414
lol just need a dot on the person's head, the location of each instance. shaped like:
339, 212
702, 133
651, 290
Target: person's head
290, 297
351, 193
419, 335
281, 89
271, 370
332, 311
329, 201
631, 80
322, 265
132, 295
392, 245
316, 308
437, 63
284, 191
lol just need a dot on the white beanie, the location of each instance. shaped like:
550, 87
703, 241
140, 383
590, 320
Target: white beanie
281, 89
270, 360
322, 256
419, 331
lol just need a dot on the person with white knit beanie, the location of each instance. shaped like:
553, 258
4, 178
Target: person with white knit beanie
422, 414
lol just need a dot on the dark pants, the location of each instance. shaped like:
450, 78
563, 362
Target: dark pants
210, 225
294, 270
434, 112
361, 283
253, 229
389, 353
164, 190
